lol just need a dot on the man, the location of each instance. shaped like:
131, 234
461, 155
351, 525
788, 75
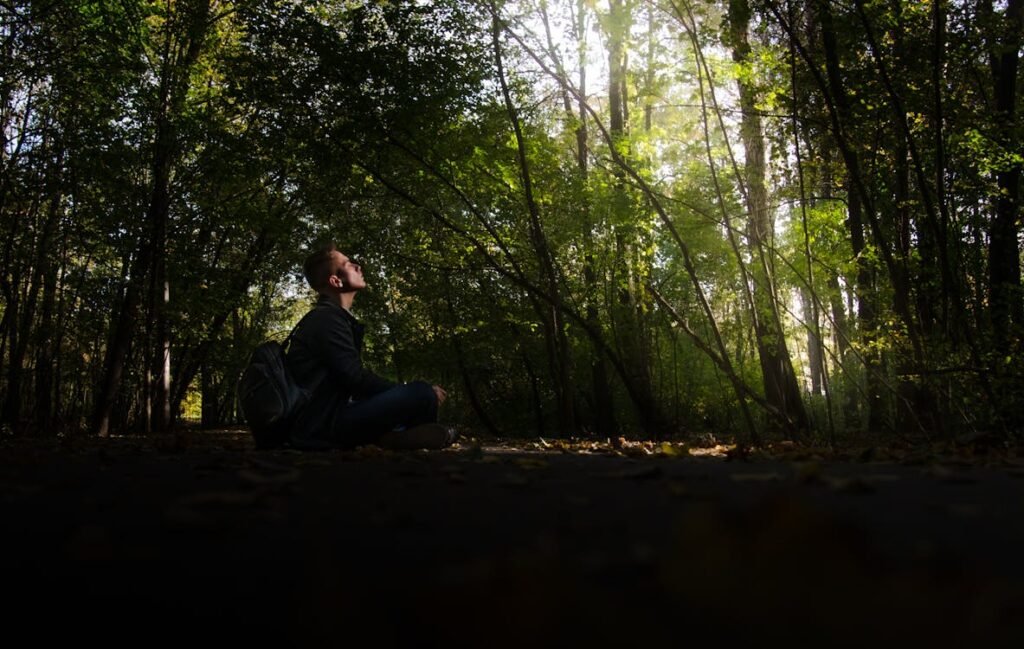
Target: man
350, 405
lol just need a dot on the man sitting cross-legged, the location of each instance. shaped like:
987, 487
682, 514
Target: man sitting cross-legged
350, 405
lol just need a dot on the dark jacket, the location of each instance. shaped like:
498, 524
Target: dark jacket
325, 357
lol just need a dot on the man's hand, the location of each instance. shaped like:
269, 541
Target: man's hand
441, 394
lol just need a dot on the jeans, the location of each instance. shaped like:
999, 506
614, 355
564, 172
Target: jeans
364, 421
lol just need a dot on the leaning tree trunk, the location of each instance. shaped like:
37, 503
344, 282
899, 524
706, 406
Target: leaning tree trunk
551, 314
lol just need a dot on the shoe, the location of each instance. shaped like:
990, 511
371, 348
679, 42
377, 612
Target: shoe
427, 436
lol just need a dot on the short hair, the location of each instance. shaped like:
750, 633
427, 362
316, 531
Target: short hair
318, 267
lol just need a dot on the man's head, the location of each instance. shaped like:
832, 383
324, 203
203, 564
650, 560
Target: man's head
329, 271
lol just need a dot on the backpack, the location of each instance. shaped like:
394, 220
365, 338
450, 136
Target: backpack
268, 395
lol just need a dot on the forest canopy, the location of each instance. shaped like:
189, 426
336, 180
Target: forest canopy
752, 218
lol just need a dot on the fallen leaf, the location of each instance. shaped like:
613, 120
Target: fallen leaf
637, 450
719, 450
668, 450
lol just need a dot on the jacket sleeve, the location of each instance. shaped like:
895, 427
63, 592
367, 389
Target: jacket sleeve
342, 358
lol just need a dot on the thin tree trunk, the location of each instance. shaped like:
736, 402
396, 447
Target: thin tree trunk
1007, 307
558, 345
629, 303
194, 359
604, 414
605, 422
151, 256
864, 285
718, 353
538, 405
781, 388
20, 343
46, 351
470, 385
209, 414
837, 102
815, 352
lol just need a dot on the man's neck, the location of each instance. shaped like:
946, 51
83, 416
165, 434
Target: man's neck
344, 300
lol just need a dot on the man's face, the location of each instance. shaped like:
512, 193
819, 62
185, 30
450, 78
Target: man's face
348, 275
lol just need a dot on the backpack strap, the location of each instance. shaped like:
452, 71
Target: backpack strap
288, 339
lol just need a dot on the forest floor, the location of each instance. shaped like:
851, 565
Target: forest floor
506, 543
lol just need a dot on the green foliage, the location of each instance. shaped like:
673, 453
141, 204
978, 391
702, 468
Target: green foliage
383, 126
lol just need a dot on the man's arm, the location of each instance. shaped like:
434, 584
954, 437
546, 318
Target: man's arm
342, 359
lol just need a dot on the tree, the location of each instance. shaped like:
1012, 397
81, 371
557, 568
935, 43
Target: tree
780, 386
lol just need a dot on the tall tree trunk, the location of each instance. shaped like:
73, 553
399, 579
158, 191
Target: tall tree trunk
601, 394
864, 285
46, 351
181, 52
41, 260
820, 383
208, 411
160, 368
780, 384
628, 305
649, 73
1007, 304
815, 346
536, 401
938, 75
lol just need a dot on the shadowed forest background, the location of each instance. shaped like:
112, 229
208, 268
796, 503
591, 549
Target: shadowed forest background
761, 218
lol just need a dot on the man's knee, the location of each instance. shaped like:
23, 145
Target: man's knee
422, 392
421, 402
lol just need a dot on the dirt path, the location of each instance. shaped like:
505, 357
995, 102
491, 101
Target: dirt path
508, 546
